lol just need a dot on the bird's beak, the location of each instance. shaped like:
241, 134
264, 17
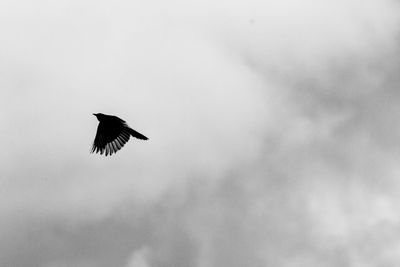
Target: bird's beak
94, 114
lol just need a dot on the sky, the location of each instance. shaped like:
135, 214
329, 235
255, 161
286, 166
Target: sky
273, 133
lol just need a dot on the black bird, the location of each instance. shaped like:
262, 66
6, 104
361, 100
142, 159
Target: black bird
112, 134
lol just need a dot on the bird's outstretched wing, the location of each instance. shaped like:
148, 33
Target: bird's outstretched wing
112, 137
109, 140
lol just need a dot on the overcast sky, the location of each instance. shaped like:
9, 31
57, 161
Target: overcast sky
273, 125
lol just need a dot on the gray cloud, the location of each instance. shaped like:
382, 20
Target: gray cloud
272, 133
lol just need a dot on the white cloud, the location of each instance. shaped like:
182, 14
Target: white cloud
140, 258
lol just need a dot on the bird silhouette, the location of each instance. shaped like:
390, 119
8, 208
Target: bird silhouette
112, 134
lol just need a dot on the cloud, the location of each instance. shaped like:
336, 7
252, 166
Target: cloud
139, 258
272, 132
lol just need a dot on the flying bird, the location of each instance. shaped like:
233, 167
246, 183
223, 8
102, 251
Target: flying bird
112, 134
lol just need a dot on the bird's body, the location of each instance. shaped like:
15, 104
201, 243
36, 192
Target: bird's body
112, 134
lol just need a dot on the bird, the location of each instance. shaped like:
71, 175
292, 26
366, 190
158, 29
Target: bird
112, 134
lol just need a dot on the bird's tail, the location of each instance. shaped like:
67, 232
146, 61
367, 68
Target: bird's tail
137, 135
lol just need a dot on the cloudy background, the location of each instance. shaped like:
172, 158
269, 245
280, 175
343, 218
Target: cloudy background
274, 133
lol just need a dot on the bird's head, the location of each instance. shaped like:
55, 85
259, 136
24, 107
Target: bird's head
98, 115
